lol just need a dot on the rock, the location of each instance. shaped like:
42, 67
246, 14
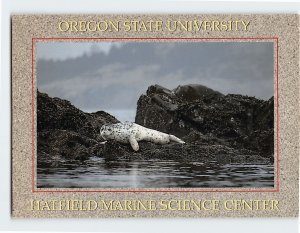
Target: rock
194, 92
199, 114
215, 127
181, 152
55, 113
67, 132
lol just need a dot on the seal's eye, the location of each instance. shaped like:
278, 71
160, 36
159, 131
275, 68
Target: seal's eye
109, 130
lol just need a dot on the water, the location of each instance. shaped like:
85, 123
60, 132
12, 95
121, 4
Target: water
99, 173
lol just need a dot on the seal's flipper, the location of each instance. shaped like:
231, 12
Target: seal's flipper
175, 139
134, 144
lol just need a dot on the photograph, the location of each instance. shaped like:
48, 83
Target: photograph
154, 114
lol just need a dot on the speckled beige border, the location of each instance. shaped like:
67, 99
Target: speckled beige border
280, 28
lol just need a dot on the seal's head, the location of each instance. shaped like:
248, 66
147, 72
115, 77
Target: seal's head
105, 132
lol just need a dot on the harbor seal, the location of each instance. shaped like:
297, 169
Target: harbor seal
132, 133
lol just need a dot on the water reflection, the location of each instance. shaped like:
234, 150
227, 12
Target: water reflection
99, 173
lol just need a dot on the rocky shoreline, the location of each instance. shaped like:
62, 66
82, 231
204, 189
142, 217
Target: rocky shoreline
216, 127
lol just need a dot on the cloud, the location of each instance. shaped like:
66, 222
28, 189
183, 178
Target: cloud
66, 50
113, 86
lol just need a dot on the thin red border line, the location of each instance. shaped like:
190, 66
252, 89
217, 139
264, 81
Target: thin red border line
161, 38
156, 191
33, 120
277, 113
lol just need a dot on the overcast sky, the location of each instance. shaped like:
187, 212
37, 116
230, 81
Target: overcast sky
112, 76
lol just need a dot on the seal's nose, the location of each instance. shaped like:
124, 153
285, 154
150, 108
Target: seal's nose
102, 129
101, 133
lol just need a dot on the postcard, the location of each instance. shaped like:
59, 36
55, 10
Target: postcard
155, 116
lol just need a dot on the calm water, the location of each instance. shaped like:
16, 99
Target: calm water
99, 173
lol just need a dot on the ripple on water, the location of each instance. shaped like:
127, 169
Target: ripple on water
98, 173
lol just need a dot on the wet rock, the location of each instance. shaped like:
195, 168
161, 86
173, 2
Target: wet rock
56, 113
201, 115
182, 152
193, 92
215, 127
64, 131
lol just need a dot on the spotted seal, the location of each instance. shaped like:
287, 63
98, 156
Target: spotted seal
132, 133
